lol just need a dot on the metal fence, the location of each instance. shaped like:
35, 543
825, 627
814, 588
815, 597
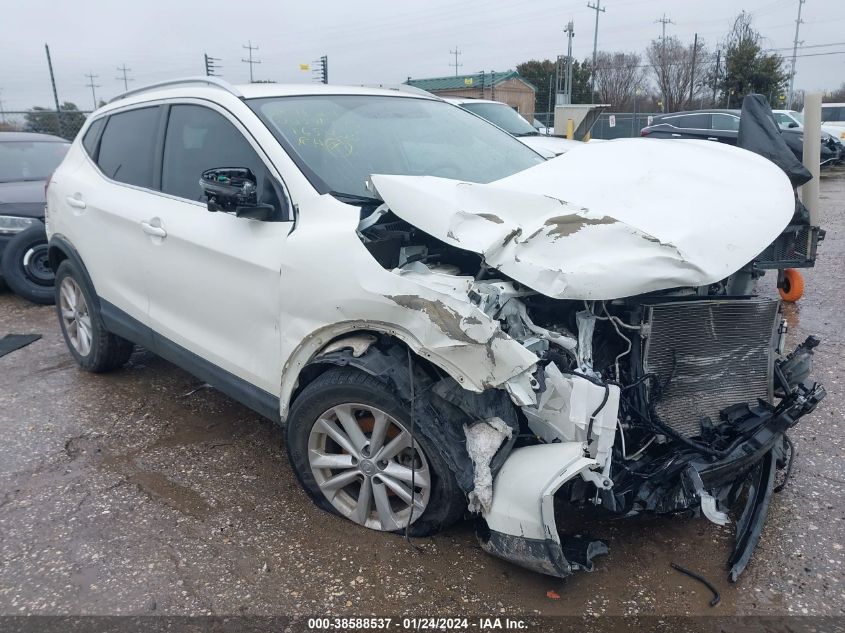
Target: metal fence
66, 123
609, 125
621, 124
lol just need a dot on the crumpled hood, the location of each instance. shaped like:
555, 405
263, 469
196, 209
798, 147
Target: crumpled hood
609, 220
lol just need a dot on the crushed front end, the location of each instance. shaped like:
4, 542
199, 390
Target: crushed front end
668, 404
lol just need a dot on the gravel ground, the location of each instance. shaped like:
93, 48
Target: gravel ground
132, 493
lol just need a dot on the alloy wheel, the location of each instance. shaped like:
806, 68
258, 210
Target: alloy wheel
76, 319
363, 462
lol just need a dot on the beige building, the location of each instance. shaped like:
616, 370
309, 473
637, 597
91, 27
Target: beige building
508, 87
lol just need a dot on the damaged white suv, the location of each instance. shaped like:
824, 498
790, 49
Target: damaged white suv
443, 320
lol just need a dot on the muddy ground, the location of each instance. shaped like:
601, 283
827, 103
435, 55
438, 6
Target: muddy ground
134, 493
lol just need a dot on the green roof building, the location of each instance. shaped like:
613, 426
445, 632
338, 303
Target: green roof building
508, 87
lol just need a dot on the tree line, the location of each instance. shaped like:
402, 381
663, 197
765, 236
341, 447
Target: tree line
672, 75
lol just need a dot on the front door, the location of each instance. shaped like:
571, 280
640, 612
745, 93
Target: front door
214, 285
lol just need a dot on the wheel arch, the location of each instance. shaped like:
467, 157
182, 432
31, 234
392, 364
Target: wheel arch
60, 249
309, 360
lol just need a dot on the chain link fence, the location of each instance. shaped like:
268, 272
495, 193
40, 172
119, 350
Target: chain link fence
65, 124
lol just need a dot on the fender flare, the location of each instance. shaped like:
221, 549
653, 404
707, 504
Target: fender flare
59, 248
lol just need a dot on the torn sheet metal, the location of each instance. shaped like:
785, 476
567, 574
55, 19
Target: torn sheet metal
609, 220
521, 519
483, 441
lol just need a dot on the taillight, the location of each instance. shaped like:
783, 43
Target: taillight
645, 132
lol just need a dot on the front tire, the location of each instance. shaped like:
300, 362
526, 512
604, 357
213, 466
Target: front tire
92, 346
349, 441
26, 267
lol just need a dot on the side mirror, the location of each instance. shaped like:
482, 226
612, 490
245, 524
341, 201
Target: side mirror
234, 190
792, 124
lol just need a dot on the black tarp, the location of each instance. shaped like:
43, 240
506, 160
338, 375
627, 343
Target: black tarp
759, 133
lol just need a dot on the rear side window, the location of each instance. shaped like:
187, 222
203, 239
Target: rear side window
688, 121
833, 113
198, 139
128, 146
89, 141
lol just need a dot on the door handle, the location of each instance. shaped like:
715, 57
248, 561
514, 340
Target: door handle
75, 202
155, 231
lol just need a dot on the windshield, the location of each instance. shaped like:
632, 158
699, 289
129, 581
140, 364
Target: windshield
25, 160
504, 116
339, 141
798, 116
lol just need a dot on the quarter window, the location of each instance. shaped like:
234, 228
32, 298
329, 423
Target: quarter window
725, 122
127, 148
198, 139
89, 141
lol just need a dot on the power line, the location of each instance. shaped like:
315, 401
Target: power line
794, 55
598, 9
123, 69
455, 52
92, 85
250, 61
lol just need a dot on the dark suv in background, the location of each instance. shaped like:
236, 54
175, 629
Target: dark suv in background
26, 161
723, 126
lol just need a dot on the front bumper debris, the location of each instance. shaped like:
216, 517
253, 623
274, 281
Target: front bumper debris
520, 524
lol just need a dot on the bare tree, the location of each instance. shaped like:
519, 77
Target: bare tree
679, 71
618, 77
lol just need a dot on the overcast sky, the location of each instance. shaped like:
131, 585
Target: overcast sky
367, 41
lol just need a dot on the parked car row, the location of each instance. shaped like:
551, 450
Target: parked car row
723, 126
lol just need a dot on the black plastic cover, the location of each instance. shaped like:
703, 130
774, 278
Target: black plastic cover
759, 133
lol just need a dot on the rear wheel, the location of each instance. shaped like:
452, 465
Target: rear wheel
26, 267
92, 346
349, 441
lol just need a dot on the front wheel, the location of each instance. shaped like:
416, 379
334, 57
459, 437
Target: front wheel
26, 267
349, 441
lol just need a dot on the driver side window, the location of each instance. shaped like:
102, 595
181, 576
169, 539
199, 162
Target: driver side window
199, 139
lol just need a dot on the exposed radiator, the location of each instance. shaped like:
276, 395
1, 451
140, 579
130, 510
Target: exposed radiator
709, 355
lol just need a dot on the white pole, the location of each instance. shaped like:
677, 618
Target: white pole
812, 149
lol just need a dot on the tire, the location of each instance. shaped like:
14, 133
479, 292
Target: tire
26, 267
792, 288
92, 346
367, 399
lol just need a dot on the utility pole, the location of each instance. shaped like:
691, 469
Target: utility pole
92, 85
125, 79
250, 61
795, 44
663, 21
210, 65
455, 52
2, 112
716, 75
55, 94
567, 82
692, 70
598, 9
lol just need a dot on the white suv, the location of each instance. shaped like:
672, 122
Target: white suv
444, 321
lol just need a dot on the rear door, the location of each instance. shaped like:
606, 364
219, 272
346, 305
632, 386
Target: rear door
215, 278
110, 202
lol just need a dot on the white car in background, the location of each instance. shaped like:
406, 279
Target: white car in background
790, 119
505, 117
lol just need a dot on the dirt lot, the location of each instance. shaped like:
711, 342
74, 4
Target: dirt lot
134, 492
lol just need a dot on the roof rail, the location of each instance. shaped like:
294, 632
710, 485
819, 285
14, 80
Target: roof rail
209, 81
402, 88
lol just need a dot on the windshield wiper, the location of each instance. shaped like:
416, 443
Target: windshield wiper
521, 134
354, 198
